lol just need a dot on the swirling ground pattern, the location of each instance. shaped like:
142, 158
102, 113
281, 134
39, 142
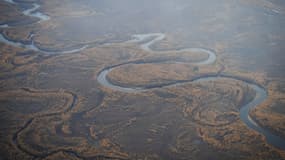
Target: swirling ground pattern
261, 93
32, 12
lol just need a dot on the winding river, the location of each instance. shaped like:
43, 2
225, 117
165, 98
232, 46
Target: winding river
145, 44
32, 12
32, 46
146, 41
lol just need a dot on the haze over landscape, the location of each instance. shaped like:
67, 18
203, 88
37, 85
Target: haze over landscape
130, 79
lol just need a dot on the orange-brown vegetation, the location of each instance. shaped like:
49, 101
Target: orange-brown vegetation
270, 114
52, 107
170, 68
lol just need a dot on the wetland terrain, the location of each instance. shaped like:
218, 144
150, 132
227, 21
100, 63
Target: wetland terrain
135, 80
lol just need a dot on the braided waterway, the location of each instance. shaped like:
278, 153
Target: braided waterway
33, 12
146, 41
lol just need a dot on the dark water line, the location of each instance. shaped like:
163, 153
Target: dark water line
68, 151
30, 121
